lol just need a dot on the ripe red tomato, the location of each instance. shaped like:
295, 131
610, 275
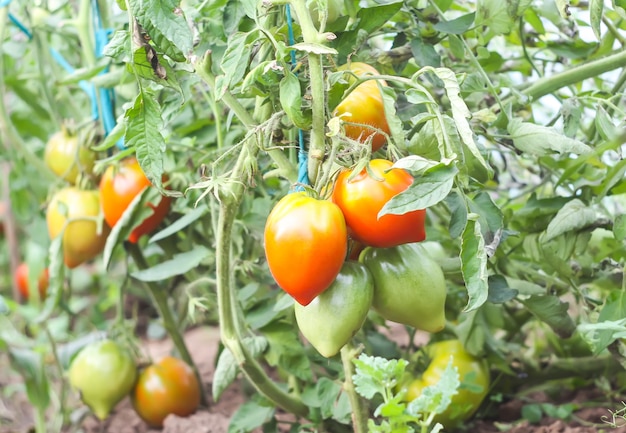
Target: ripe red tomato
22, 283
365, 106
305, 245
119, 186
80, 210
66, 157
3, 212
361, 198
167, 387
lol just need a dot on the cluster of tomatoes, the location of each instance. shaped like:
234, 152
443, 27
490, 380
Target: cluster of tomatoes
388, 268
104, 373
74, 212
306, 239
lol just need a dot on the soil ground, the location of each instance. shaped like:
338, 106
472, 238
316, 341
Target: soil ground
16, 416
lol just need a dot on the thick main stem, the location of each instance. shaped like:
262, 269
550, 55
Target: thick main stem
552, 83
250, 367
359, 413
159, 299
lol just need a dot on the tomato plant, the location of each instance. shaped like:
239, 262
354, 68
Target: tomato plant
119, 185
363, 108
23, 284
104, 373
305, 245
334, 316
504, 122
163, 388
409, 287
473, 375
362, 198
67, 157
74, 214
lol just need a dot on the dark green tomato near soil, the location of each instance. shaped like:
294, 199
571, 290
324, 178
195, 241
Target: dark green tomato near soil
409, 287
334, 316
104, 373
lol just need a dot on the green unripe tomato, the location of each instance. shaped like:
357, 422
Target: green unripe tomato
473, 375
409, 286
334, 316
67, 158
104, 373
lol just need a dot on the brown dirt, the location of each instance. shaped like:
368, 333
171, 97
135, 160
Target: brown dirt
16, 415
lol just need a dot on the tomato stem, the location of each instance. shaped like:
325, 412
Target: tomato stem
316, 78
359, 412
204, 71
159, 299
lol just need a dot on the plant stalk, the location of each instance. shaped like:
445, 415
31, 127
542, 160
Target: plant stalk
203, 69
552, 83
359, 412
159, 299
317, 144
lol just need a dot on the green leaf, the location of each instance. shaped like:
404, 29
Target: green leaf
180, 223
596, 9
425, 191
474, 265
499, 290
166, 24
572, 112
324, 396
286, 350
457, 26
56, 270
460, 113
490, 214
424, 53
553, 312
143, 132
177, 265
542, 140
374, 374
250, 416
573, 216
494, 15
148, 65
619, 227
291, 100
393, 120
234, 12
118, 46
614, 309
234, 62
458, 214
31, 366
227, 366
437, 397
314, 48
563, 7
135, 213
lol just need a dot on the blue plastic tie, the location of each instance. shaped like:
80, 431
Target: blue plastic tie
107, 96
58, 57
303, 174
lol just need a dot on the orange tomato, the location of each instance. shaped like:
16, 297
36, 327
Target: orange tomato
362, 198
364, 106
167, 387
305, 244
119, 186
